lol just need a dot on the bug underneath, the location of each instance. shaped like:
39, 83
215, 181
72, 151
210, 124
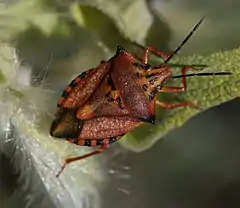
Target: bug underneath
104, 103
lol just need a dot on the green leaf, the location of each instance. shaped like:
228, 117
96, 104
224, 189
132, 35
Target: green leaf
206, 92
17, 17
102, 27
2, 78
127, 15
6, 63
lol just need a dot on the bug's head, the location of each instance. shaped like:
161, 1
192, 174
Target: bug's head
152, 78
156, 76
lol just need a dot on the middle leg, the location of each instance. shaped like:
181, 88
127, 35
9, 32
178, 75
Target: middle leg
184, 82
176, 105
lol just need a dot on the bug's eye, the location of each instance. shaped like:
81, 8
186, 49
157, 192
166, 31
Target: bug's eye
159, 87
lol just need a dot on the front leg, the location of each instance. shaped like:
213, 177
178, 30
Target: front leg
155, 51
148, 49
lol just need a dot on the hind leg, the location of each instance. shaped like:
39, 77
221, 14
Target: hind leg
73, 159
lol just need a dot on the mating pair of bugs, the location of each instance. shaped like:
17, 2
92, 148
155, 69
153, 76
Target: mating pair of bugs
104, 103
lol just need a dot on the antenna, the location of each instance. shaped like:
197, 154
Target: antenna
203, 74
185, 40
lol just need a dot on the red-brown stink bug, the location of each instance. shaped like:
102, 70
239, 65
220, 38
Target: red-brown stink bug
104, 103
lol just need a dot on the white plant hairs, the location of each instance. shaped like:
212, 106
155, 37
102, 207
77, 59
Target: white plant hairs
25, 120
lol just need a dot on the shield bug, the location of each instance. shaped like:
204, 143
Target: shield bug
104, 103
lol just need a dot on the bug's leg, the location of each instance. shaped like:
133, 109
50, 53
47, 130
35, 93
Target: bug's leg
148, 49
176, 105
155, 51
184, 82
73, 159
177, 89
